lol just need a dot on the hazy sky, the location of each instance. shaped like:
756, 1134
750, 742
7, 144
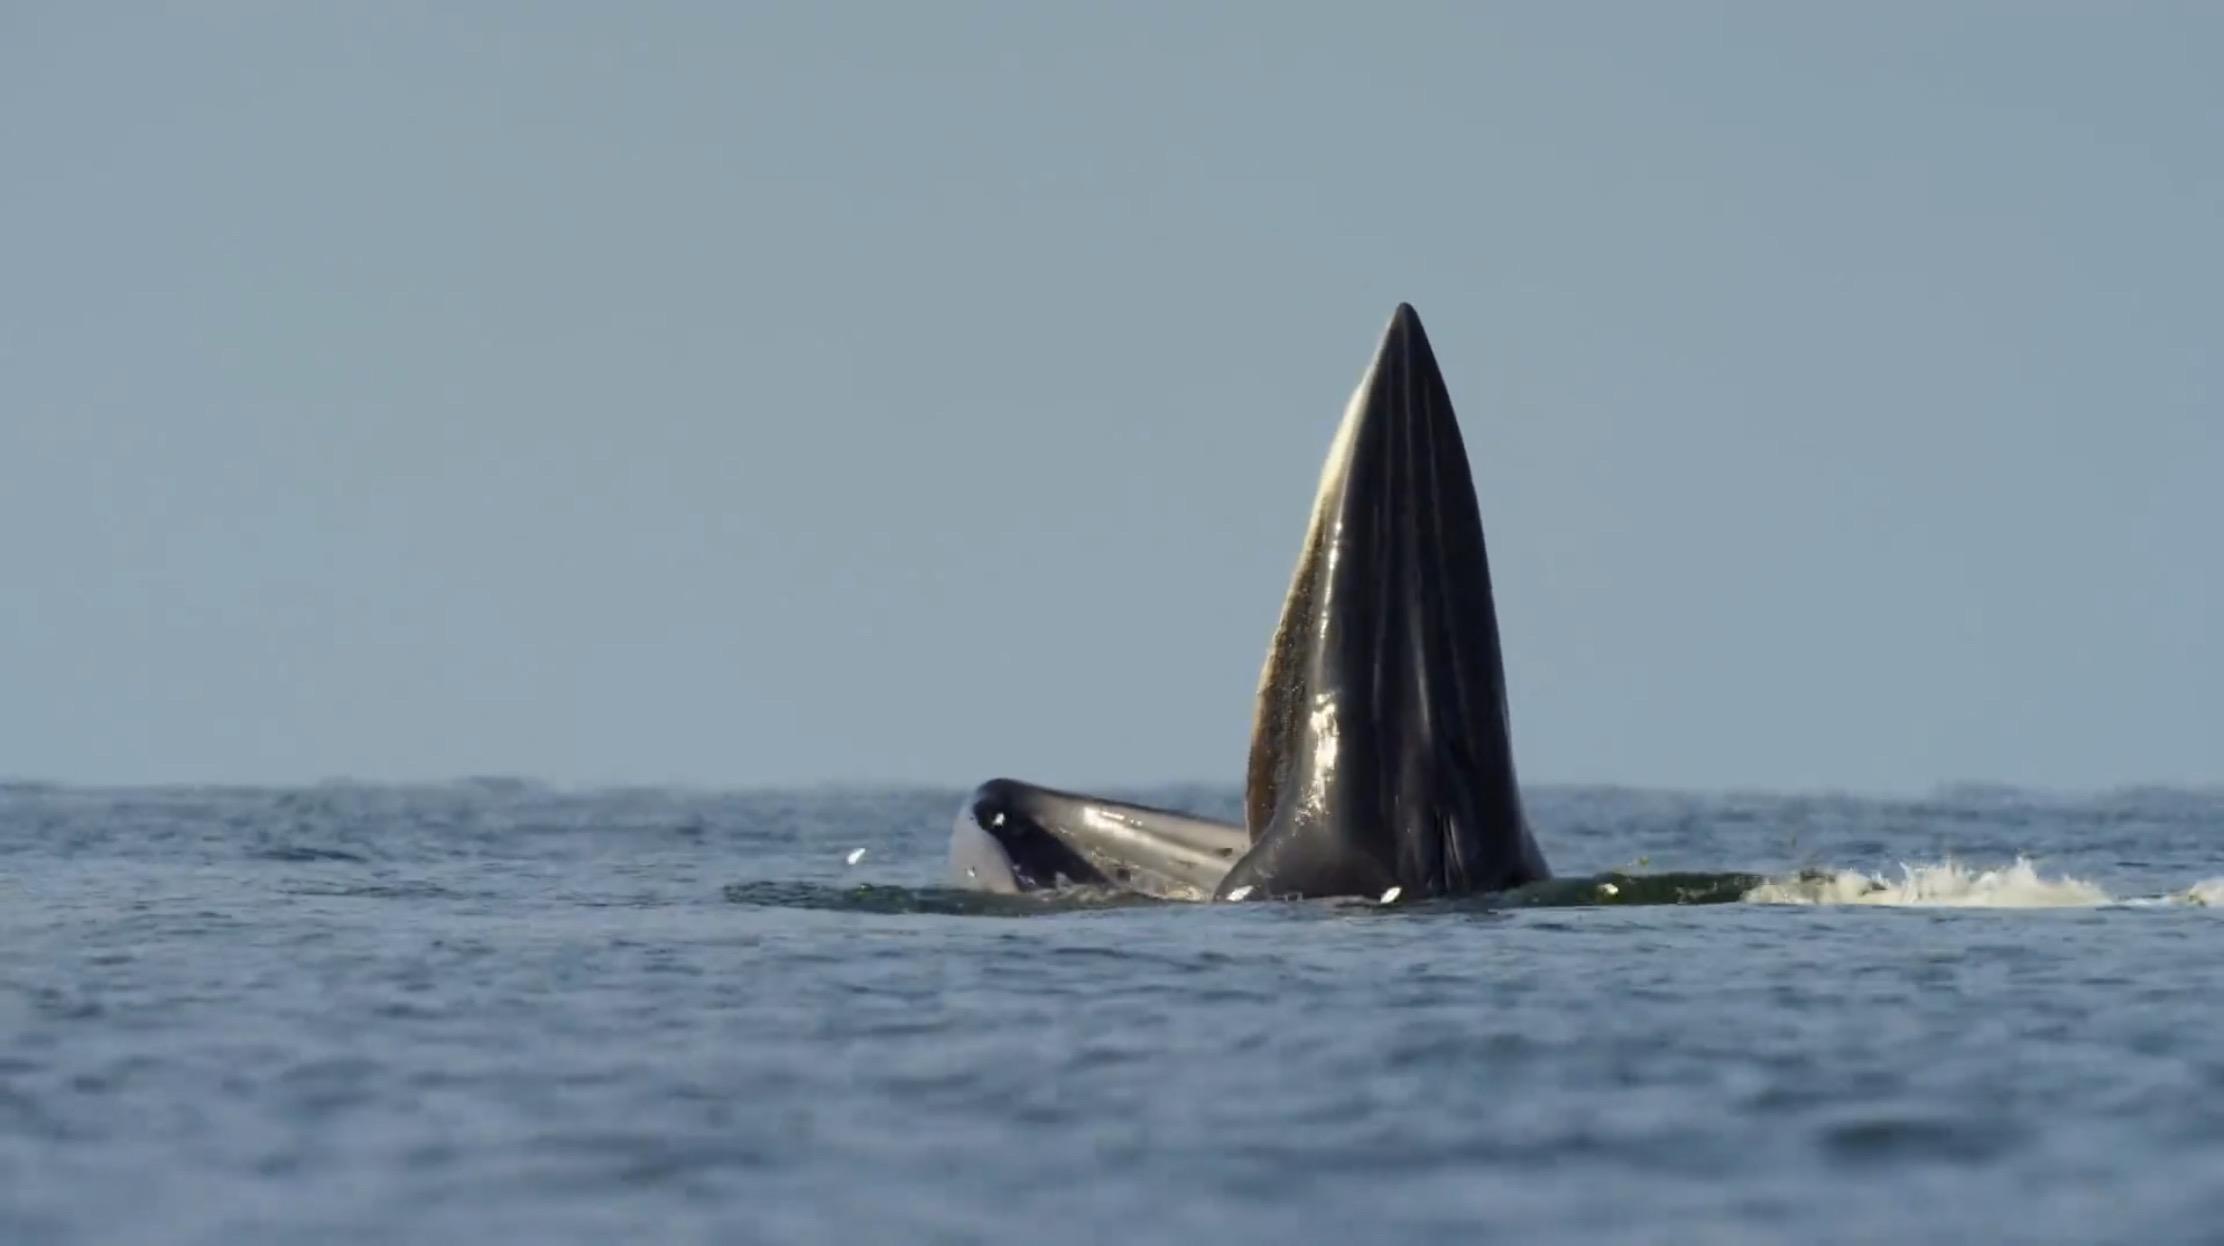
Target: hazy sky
753, 393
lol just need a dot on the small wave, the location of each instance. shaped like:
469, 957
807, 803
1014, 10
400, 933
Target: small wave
1622, 889
380, 891
872, 898
1951, 884
296, 853
1616, 889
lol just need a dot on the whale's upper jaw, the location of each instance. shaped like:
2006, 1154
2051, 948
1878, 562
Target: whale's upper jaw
1381, 752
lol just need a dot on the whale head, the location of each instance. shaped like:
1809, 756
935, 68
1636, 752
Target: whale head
1381, 751
1381, 745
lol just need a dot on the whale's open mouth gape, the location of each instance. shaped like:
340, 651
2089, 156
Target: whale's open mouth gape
996, 844
1013, 836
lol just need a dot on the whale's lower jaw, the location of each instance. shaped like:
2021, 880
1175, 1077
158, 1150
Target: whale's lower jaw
1011, 836
995, 846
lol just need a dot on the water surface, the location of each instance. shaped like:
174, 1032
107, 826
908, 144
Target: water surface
498, 1011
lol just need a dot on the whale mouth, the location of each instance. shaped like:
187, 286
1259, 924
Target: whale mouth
1381, 757
997, 845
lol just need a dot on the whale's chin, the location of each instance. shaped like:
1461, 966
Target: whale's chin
978, 861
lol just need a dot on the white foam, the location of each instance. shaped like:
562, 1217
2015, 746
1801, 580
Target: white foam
2208, 893
1948, 884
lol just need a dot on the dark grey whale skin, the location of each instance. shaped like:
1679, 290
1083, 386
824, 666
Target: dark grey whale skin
1381, 746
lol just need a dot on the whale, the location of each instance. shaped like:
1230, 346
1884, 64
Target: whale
1381, 755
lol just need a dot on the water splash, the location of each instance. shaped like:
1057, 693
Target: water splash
2208, 893
1952, 884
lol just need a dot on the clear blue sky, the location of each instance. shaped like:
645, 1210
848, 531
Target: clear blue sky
761, 393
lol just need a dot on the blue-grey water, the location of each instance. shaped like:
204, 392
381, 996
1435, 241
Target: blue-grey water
495, 1011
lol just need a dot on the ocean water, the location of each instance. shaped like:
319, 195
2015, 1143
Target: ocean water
496, 1011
